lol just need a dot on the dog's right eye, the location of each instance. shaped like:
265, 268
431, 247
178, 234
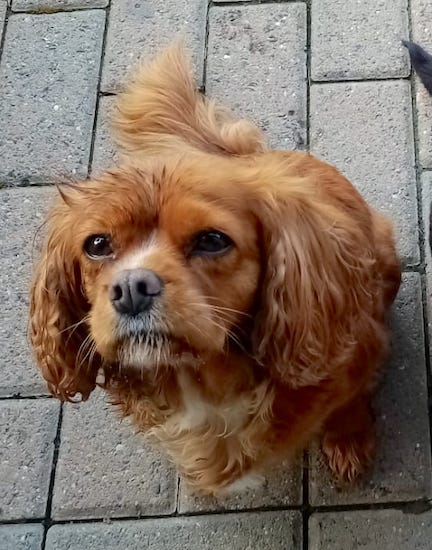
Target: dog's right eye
98, 247
210, 243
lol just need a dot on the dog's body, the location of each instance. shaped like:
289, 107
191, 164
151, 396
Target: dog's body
235, 298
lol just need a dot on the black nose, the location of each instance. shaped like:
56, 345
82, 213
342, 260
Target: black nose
134, 290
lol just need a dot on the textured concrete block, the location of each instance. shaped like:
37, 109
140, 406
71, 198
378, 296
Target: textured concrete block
57, 5
426, 186
282, 487
48, 76
263, 531
370, 530
22, 213
421, 11
104, 152
365, 130
138, 29
256, 64
402, 469
3, 6
21, 537
27, 432
356, 40
421, 14
106, 470
424, 118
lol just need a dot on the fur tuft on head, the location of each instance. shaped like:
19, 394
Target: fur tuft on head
161, 109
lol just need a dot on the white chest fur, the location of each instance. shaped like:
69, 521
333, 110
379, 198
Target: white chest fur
230, 414
215, 443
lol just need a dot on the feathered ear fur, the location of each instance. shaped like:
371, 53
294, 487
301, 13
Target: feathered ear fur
57, 316
161, 109
317, 298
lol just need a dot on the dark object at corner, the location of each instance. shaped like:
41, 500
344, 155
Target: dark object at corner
422, 62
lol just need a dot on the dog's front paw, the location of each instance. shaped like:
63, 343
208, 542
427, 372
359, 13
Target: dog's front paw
350, 455
248, 482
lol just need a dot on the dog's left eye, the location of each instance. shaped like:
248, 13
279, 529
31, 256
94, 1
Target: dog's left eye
98, 247
210, 243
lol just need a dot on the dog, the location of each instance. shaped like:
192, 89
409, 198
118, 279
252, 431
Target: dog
234, 298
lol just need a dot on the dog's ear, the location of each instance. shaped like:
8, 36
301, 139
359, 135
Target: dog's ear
317, 295
161, 109
58, 310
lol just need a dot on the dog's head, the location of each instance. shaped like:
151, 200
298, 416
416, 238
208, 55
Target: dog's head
166, 260
204, 246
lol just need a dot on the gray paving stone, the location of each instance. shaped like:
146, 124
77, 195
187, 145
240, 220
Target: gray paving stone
106, 470
21, 537
256, 65
426, 187
104, 152
356, 40
402, 470
424, 119
3, 6
422, 33
370, 530
48, 5
264, 531
27, 429
140, 28
365, 129
421, 15
22, 213
48, 76
282, 487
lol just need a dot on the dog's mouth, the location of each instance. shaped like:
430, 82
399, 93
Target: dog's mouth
145, 344
141, 328
154, 351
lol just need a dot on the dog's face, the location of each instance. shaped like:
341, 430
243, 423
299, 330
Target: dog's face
169, 262
169, 269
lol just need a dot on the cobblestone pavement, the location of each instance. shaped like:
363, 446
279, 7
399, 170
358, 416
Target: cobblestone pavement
329, 76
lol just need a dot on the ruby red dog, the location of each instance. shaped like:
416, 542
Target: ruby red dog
233, 297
